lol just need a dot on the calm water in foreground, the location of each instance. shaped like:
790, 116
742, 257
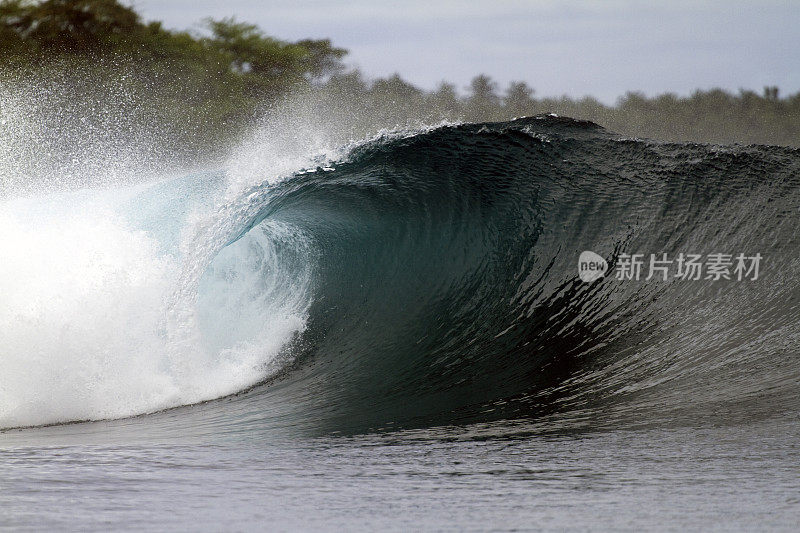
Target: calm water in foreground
697, 478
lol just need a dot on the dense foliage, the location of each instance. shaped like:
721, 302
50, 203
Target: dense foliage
211, 84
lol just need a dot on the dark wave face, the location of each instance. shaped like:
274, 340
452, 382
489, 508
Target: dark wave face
446, 284
440, 271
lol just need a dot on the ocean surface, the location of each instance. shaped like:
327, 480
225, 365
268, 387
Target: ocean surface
400, 334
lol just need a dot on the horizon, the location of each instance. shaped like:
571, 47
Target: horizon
580, 49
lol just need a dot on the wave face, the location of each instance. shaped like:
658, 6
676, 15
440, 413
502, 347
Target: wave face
419, 279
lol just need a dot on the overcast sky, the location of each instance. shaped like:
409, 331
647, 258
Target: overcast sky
601, 48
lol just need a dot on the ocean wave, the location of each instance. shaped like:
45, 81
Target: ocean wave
418, 279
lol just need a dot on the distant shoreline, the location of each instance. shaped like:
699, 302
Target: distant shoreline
209, 89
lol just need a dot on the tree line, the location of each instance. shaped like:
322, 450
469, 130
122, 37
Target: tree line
210, 85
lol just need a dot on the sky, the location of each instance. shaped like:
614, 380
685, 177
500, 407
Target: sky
601, 48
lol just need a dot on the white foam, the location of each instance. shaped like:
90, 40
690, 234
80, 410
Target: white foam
86, 323
101, 319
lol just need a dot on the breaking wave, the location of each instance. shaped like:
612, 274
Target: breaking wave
417, 279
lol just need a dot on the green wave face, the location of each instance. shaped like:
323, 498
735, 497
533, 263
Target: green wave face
446, 287
431, 279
